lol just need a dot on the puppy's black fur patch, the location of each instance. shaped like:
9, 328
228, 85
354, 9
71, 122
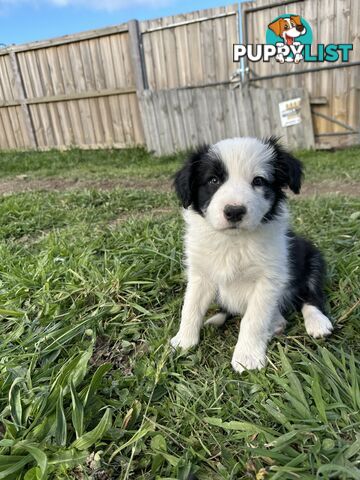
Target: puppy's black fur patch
307, 277
307, 274
288, 172
192, 182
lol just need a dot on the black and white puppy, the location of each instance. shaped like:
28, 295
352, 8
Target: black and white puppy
239, 249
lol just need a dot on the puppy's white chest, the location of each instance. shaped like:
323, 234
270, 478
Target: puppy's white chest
236, 285
234, 298
235, 274
227, 265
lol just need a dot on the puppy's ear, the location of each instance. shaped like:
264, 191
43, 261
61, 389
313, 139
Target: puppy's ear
288, 169
275, 27
182, 185
296, 19
185, 179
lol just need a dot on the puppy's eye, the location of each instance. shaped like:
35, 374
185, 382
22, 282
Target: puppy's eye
213, 181
258, 182
286, 27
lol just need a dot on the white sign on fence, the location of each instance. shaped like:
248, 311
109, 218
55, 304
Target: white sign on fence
290, 112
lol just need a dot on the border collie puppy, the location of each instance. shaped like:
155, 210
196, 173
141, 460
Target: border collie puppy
239, 249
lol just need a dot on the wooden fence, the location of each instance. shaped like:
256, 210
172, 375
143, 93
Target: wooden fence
81, 90
335, 92
103, 88
191, 49
180, 118
75, 90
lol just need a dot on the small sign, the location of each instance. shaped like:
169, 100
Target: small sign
290, 112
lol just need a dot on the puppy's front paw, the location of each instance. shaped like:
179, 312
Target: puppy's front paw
245, 358
184, 341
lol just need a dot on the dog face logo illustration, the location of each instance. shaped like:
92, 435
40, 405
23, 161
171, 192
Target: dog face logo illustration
290, 30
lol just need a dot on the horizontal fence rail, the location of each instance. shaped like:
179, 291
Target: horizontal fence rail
76, 37
74, 96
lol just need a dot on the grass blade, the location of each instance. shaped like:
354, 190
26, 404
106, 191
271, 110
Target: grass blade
89, 438
318, 398
61, 430
38, 455
6, 469
77, 411
15, 402
96, 381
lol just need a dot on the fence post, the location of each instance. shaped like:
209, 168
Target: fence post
137, 57
21, 94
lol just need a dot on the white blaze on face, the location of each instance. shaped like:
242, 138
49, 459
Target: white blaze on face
245, 159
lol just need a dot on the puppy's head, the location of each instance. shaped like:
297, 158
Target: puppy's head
288, 28
238, 183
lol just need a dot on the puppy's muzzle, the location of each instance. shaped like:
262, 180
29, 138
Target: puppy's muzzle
234, 213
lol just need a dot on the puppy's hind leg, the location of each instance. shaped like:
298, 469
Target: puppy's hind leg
317, 323
218, 319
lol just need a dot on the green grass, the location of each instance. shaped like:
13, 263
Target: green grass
88, 385
31, 213
338, 165
111, 164
89, 164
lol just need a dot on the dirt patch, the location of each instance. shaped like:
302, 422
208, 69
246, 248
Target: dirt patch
120, 354
26, 184
113, 352
333, 187
155, 212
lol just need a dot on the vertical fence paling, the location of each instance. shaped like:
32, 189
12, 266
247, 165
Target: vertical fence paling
19, 86
136, 55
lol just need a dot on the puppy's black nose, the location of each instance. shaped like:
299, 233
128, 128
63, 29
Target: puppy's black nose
234, 213
300, 28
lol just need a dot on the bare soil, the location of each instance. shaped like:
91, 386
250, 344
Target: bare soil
18, 185
332, 186
24, 184
153, 213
